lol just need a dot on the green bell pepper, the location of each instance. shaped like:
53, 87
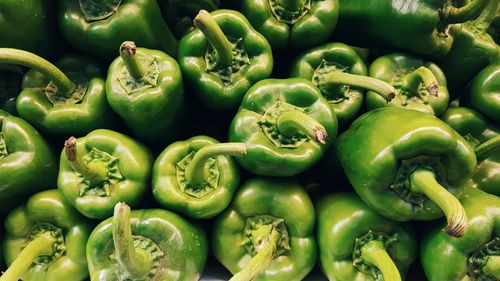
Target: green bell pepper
476, 255
326, 66
196, 177
100, 27
420, 84
146, 245
223, 57
11, 77
484, 95
286, 124
145, 88
45, 240
27, 162
356, 243
259, 237
101, 169
420, 26
55, 103
179, 14
296, 24
408, 165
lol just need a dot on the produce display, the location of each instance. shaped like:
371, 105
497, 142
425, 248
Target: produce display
240, 140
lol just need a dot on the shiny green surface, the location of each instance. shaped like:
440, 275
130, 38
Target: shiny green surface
485, 92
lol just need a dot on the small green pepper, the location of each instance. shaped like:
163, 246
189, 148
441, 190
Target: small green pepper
484, 95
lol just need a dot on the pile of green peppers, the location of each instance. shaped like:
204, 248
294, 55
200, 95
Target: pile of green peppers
266, 140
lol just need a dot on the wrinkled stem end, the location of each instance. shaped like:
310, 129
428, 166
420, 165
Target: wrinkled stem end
375, 254
291, 122
127, 53
451, 14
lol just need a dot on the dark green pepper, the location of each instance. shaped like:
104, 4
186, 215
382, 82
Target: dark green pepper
356, 243
45, 240
101, 169
259, 237
484, 95
286, 124
223, 58
179, 14
408, 165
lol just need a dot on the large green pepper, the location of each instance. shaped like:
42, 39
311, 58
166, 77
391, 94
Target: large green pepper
420, 84
145, 88
476, 255
484, 93
356, 243
27, 163
223, 57
286, 124
267, 233
100, 27
179, 14
420, 26
408, 165
45, 240
297, 24
101, 169
146, 245
55, 103
196, 177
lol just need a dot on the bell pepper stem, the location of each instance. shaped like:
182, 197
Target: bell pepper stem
19, 57
484, 149
378, 86
194, 171
424, 181
451, 14
492, 267
484, 20
260, 261
291, 122
133, 65
375, 254
291, 5
215, 37
41, 245
136, 263
95, 172
412, 81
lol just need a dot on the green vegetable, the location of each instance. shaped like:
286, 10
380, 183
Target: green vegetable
484, 93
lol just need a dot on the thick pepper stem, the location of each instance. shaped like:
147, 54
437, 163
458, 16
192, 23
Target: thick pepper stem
484, 149
451, 14
19, 57
291, 122
136, 263
483, 22
411, 81
261, 261
375, 254
424, 181
41, 245
291, 5
492, 267
195, 170
215, 37
380, 87
127, 53
95, 172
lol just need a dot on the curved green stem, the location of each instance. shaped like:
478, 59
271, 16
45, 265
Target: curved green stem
41, 245
451, 14
411, 81
375, 254
14, 56
95, 172
195, 170
290, 123
378, 86
424, 181
483, 22
215, 37
484, 149
127, 53
492, 267
291, 5
136, 263
261, 261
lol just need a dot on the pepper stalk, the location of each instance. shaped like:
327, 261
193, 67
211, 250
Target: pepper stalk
484, 149
127, 53
411, 81
375, 254
95, 171
451, 14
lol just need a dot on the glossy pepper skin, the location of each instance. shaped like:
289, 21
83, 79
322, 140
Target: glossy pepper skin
100, 27
101, 169
221, 85
47, 213
151, 244
348, 228
473, 256
286, 124
407, 165
262, 205
27, 162
295, 24
179, 14
420, 84
484, 95
144, 87
174, 189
